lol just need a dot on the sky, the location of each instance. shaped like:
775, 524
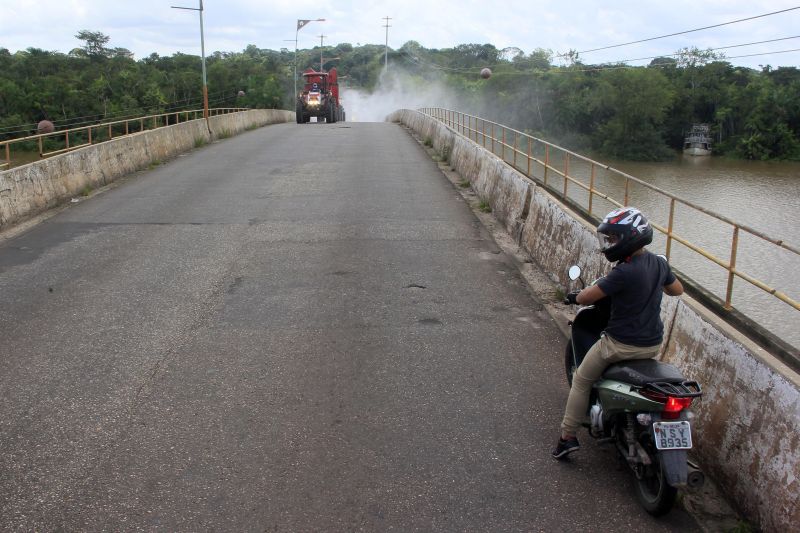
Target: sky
148, 26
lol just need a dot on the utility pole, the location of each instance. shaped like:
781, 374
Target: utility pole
386, 47
203, 56
321, 37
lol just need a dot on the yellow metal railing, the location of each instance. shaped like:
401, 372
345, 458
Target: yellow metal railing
495, 137
105, 131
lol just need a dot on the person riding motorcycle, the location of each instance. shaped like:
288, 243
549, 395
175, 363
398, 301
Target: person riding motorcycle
634, 331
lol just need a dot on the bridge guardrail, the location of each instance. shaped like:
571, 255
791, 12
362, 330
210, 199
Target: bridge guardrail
520, 150
105, 131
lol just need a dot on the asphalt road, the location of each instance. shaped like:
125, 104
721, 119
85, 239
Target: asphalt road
302, 328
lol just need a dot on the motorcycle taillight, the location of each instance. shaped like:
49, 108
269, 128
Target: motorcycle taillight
674, 406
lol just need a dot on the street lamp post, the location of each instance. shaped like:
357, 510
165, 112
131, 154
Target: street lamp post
300, 24
203, 57
321, 37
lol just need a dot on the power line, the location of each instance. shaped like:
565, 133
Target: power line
686, 31
711, 50
768, 53
608, 66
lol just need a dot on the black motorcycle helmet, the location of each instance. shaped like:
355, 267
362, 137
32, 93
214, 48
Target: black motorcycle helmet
622, 232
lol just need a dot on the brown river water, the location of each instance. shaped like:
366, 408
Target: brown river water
762, 195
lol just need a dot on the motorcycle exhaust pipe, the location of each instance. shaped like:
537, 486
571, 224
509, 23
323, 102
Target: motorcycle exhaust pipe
696, 477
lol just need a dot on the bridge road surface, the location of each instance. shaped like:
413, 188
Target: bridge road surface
301, 328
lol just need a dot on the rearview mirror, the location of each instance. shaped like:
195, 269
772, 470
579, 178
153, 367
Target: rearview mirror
574, 272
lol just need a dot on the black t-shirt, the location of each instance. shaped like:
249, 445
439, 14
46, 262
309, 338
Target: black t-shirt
635, 289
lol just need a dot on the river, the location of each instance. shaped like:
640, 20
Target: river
762, 195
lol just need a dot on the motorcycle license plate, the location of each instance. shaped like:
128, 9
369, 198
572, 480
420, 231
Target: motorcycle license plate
673, 435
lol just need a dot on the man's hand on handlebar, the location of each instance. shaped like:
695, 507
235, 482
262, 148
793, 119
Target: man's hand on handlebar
571, 298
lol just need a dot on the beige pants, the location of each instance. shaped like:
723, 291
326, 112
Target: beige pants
603, 353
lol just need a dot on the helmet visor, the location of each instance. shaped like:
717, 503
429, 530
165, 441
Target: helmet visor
607, 240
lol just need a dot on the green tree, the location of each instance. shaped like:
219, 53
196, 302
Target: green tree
94, 43
635, 102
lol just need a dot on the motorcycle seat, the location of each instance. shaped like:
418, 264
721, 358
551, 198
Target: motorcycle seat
640, 372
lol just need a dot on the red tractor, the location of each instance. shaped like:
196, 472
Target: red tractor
319, 97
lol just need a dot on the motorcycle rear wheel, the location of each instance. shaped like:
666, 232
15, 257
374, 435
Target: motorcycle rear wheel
652, 490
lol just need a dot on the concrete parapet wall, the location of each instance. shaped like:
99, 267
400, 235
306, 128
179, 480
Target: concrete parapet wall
748, 421
31, 189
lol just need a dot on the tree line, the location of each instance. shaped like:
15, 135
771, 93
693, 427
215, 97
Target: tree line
612, 109
625, 112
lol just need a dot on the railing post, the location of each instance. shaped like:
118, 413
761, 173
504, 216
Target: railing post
591, 189
627, 190
516, 145
127, 131
670, 226
566, 173
546, 161
503, 145
731, 269
141, 124
110, 133
492, 137
90, 135
8, 155
66, 138
41, 147
484, 133
529, 157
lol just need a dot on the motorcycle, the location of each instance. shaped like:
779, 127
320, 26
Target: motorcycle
642, 407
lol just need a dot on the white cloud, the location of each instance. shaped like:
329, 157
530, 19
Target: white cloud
147, 26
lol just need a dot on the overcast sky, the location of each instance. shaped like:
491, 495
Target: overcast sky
147, 26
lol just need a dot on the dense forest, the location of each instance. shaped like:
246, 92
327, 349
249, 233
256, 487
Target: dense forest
613, 109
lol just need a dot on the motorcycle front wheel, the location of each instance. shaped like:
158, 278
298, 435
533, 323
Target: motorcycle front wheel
654, 493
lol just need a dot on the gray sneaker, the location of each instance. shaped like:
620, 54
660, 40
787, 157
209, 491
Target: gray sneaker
566, 447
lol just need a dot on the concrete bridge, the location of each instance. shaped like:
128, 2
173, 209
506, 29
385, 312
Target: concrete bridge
308, 328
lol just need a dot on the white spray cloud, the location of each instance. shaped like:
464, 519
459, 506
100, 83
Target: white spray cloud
396, 90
